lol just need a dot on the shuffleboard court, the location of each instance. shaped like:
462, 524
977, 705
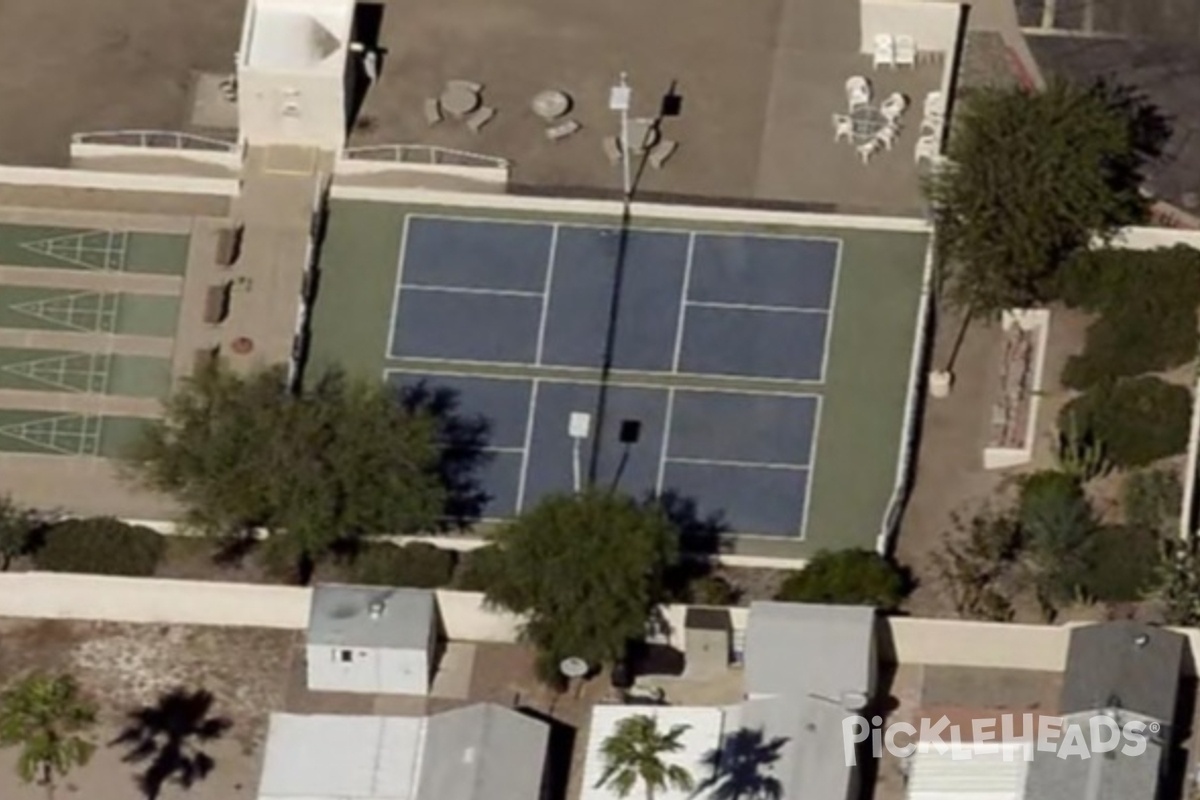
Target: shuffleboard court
54, 309
29, 369
94, 250
47, 433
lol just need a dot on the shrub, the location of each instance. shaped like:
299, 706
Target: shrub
1147, 301
101, 546
852, 577
1140, 420
476, 569
1109, 278
1044, 489
1152, 500
712, 590
1131, 340
1122, 564
1057, 527
418, 565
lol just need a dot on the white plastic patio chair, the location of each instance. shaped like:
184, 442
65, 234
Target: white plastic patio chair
433, 111
887, 135
480, 118
935, 106
885, 51
612, 149
662, 152
931, 127
893, 106
470, 86
843, 128
858, 92
562, 130
868, 149
926, 150
905, 54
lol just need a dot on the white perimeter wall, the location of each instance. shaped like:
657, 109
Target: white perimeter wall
152, 600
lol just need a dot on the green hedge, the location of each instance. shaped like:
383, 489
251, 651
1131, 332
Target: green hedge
1147, 305
1122, 565
1100, 280
1138, 420
1132, 341
101, 546
850, 577
417, 565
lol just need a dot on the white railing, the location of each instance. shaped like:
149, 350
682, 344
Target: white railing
167, 140
425, 154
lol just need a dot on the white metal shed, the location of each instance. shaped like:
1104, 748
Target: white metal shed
371, 639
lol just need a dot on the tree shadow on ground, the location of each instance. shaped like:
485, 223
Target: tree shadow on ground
167, 736
463, 439
701, 536
742, 768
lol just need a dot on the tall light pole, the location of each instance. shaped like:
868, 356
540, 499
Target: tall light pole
619, 99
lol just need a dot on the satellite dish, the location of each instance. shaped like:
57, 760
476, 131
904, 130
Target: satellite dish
573, 667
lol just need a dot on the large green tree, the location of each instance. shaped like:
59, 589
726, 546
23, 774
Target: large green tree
46, 717
339, 460
1032, 177
587, 570
633, 756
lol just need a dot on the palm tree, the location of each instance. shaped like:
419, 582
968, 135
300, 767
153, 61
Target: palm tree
167, 737
44, 715
634, 753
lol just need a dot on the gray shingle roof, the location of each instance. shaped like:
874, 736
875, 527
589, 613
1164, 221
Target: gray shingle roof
483, 751
341, 615
1102, 776
800, 649
1123, 665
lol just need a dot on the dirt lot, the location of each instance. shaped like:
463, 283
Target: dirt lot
127, 667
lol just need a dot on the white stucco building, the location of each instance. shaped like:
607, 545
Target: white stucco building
371, 639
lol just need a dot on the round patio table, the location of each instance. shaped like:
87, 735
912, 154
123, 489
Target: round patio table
643, 134
551, 104
458, 101
866, 120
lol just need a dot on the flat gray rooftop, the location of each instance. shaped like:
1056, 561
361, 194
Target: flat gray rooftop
342, 615
69, 67
755, 83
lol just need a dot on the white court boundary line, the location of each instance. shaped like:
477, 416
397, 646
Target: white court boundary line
391, 348
665, 445
755, 307
531, 415
546, 288
421, 287
721, 462
802, 535
833, 301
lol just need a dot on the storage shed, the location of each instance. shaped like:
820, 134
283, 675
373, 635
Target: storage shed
371, 639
